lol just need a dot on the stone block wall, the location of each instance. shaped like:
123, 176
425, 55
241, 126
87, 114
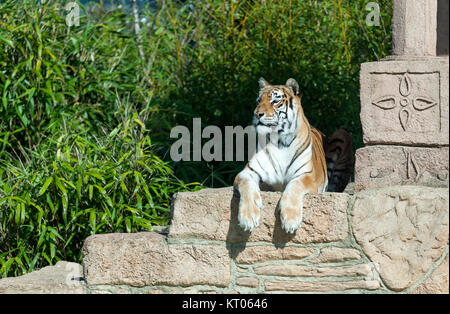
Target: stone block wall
392, 240
384, 240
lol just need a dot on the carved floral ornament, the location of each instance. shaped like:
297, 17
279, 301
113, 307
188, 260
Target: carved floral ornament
407, 102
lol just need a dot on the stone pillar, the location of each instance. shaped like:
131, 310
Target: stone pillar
404, 106
416, 38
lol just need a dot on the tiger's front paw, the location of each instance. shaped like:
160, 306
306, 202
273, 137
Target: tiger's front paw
249, 213
291, 218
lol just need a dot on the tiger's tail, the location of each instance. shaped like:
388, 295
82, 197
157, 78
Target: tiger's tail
339, 158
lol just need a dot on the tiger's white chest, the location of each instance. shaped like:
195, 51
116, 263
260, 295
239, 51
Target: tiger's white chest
278, 165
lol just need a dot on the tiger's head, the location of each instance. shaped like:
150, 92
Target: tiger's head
278, 107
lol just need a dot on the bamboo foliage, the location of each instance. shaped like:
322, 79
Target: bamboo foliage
86, 111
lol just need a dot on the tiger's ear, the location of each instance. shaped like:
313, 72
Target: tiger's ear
263, 83
294, 86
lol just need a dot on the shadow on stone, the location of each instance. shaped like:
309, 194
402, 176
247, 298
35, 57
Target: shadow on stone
234, 229
237, 238
280, 236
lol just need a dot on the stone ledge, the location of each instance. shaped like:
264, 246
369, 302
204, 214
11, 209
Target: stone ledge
145, 259
63, 278
212, 214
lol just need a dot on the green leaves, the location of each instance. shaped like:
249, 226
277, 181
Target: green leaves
45, 186
76, 185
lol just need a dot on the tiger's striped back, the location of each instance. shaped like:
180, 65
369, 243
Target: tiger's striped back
339, 159
319, 162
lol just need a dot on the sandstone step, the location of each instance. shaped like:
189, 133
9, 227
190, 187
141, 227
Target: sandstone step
145, 259
212, 214
63, 278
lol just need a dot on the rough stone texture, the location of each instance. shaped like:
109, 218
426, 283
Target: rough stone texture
309, 271
145, 259
350, 188
260, 254
403, 230
414, 25
327, 286
405, 102
336, 255
382, 165
63, 278
324, 218
437, 283
247, 282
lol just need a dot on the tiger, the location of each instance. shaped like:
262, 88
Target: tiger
294, 163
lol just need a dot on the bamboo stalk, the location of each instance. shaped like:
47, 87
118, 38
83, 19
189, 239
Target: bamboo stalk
137, 29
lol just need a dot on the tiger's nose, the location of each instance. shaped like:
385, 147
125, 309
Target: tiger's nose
259, 115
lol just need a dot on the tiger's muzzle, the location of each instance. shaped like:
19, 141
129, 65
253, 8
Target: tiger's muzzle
260, 119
